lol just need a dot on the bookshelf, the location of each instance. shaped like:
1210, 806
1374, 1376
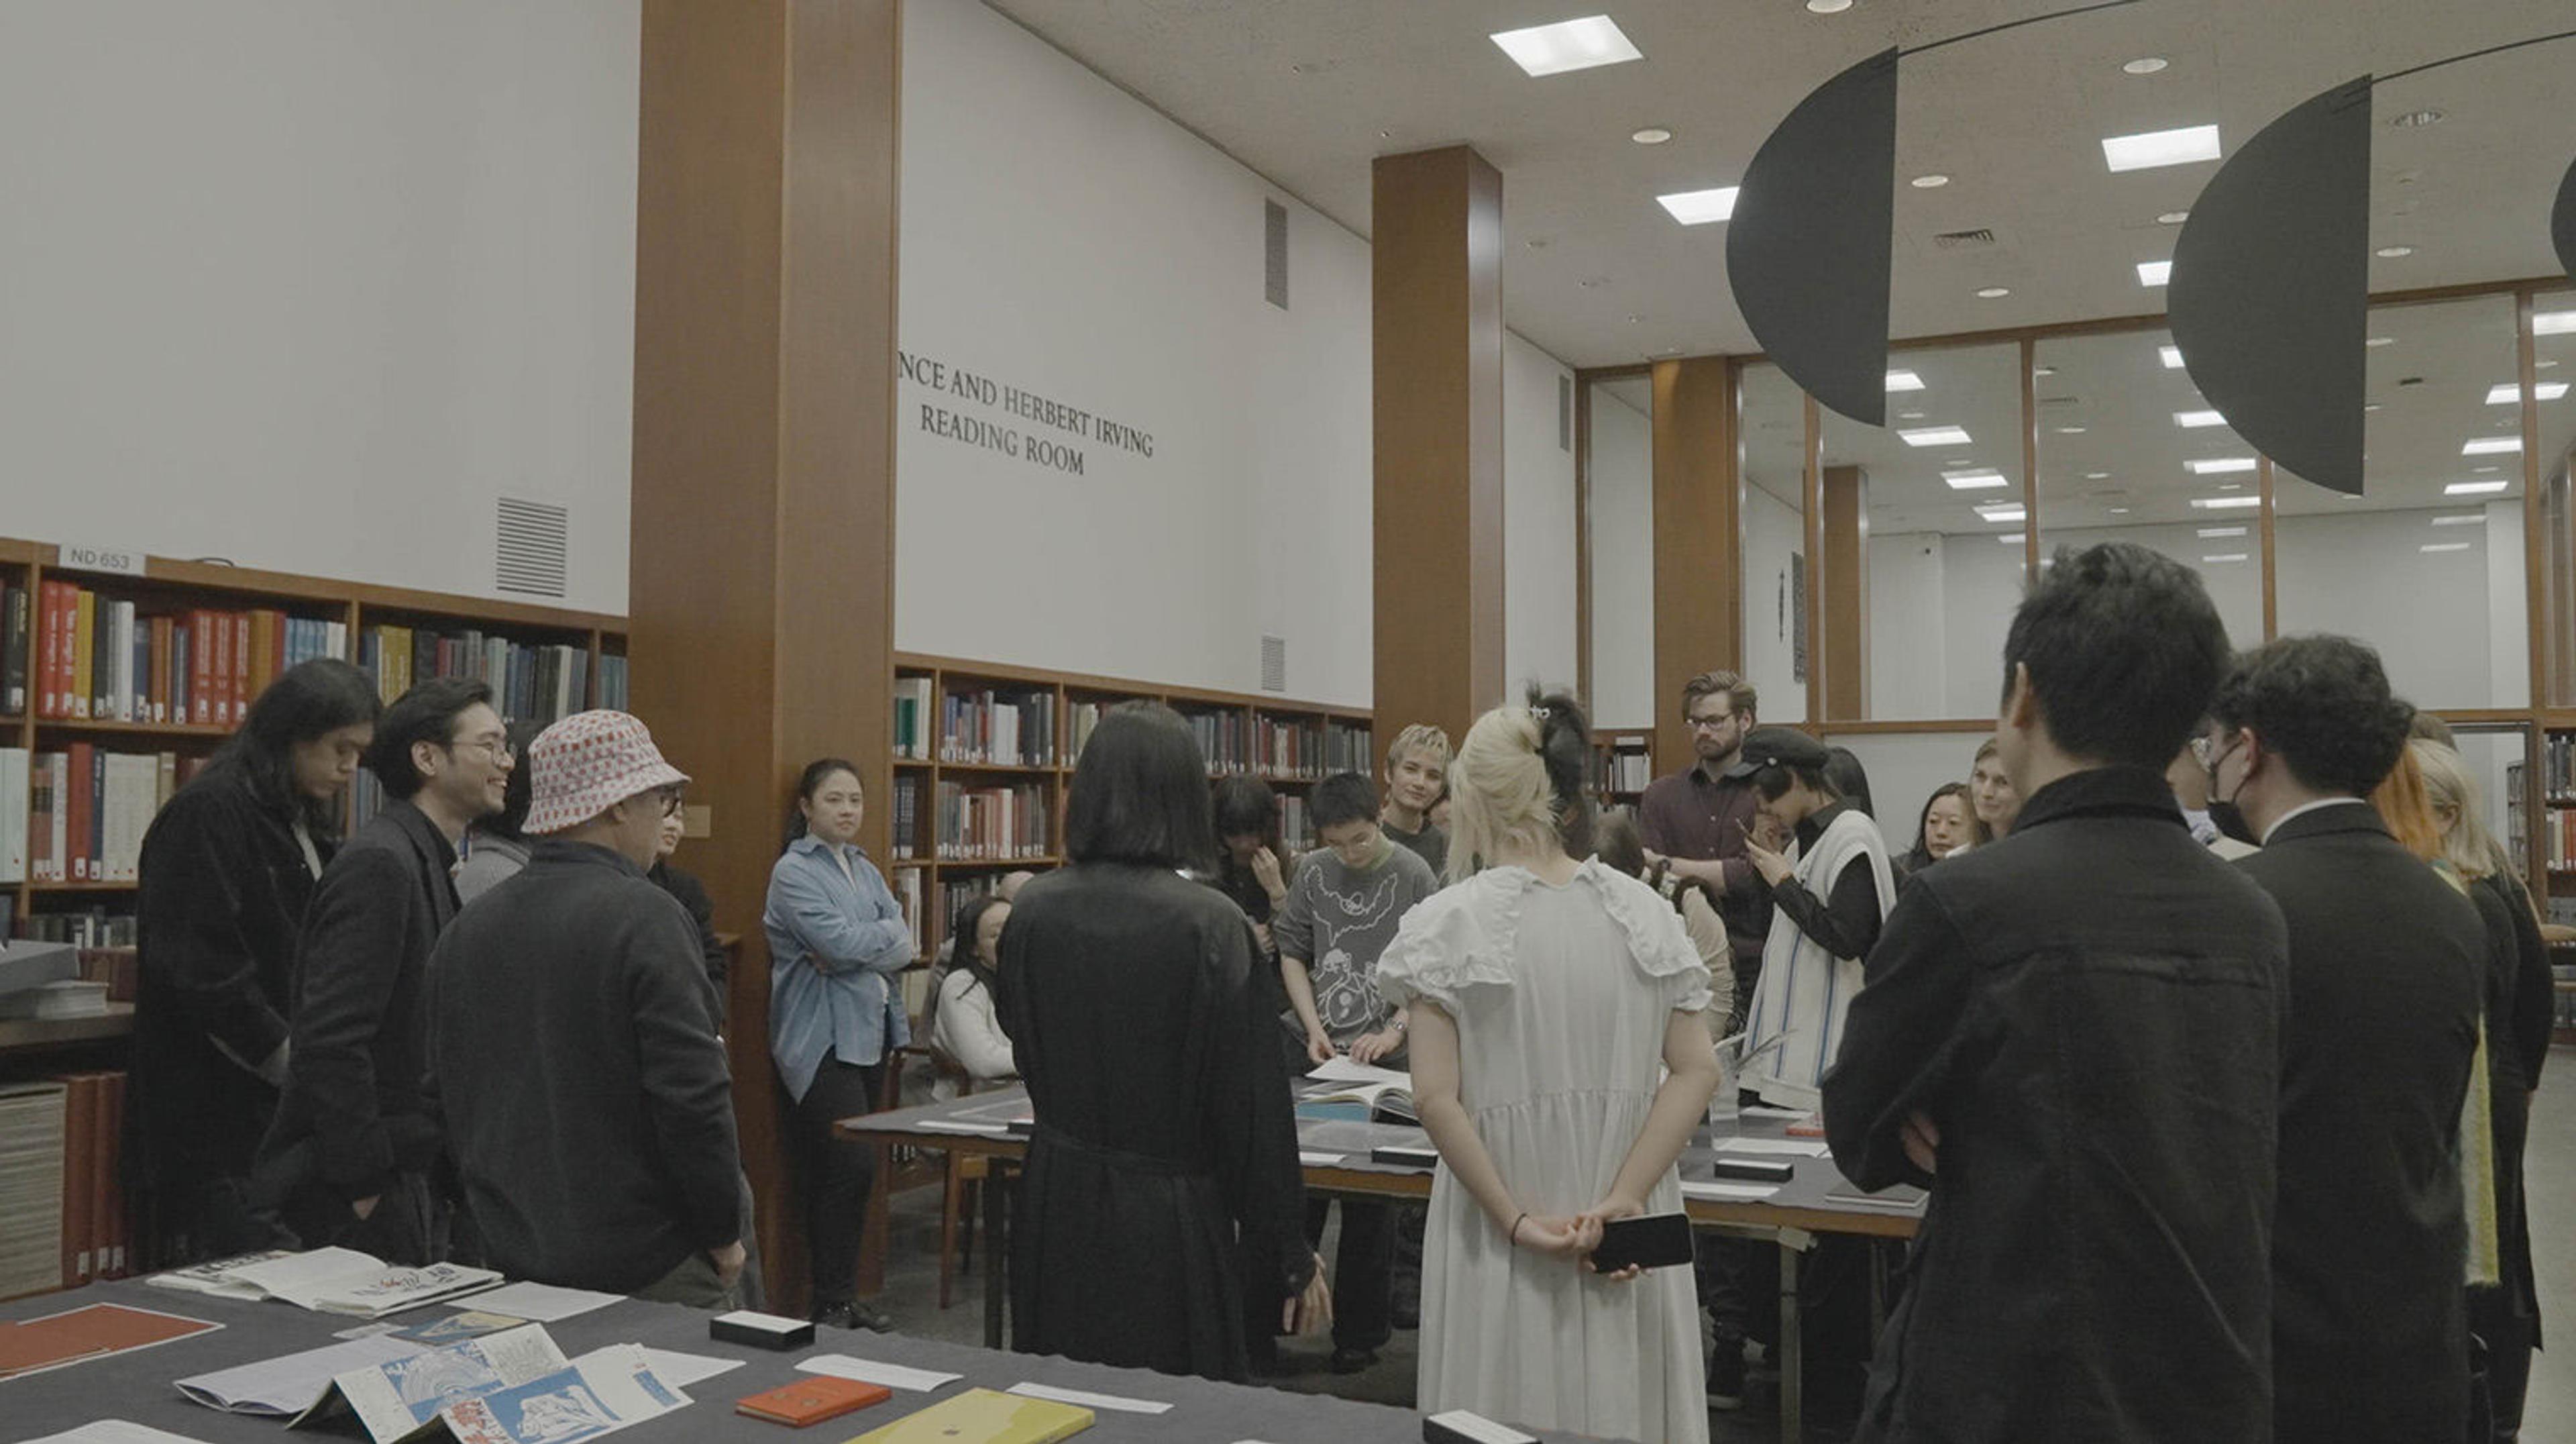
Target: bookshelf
1623, 762
196, 642
984, 755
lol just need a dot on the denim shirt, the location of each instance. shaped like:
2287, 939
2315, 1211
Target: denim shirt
834, 945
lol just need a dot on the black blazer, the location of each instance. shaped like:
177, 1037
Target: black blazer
2387, 958
355, 1112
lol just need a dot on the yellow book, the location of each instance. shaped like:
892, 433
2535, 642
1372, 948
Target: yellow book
84, 629
981, 1416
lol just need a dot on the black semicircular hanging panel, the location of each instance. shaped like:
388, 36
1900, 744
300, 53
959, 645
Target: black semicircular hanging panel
2270, 293
2562, 222
1808, 249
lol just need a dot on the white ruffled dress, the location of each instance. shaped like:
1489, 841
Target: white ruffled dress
1561, 996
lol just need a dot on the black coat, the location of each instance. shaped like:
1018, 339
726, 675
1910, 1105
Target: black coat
356, 1113
2387, 963
2090, 1012
2520, 999
692, 895
222, 891
1164, 1123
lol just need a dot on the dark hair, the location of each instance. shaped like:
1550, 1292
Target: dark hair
1565, 749
308, 701
2123, 649
816, 773
1140, 792
1773, 779
426, 713
1244, 806
520, 794
1850, 780
1740, 695
1342, 797
961, 938
1617, 842
1921, 855
2322, 703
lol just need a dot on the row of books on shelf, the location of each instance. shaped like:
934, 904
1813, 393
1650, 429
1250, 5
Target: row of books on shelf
2558, 837
63, 1220
94, 928
1622, 767
1296, 833
1308, 749
994, 728
539, 683
991, 822
99, 658
79, 814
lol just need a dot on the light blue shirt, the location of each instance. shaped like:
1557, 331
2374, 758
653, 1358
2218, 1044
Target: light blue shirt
836, 938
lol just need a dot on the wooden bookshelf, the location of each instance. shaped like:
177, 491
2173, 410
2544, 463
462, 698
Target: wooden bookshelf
1047, 758
172, 588
25, 1034
1611, 749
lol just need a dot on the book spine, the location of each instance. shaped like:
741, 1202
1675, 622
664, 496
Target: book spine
79, 1140
15, 635
241, 690
165, 657
97, 844
84, 654
15, 813
132, 666
106, 1238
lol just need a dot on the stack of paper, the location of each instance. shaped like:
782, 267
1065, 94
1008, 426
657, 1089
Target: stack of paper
332, 1281
31, 1188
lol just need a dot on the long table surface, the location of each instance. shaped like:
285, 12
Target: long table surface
137, 1386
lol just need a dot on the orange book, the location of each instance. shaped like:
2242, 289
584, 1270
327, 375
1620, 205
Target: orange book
84, 653
79, 1105
165, 632
811, 1400
106, 1204
241, 692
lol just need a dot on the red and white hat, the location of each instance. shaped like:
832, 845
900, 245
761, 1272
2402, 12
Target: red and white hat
588, 763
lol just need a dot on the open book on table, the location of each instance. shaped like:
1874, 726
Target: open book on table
511, 1387
1384, 1095
331, 1281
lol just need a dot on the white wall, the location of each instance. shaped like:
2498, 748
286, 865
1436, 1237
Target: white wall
1903, 770
1773, 533
1908, 673
2450, 627
309, 286
1623, 564
1538, 522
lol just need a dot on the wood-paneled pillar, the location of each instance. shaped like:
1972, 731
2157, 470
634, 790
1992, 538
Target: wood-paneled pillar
1436, 349
1845, 580
1699, 540
762, 593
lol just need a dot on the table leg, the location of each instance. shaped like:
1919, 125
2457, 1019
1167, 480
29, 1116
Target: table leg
997, 1250
1792, 1370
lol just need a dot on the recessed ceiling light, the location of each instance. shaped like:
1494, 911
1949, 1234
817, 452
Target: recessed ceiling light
2173, 218
2443, 547
1936, 436
2378, 341
2003, 511
2070, 431
2146, 65
1698, 208
1904, 381
2043, 371
2416, 118
2198, 418
1567, 45
2225, 503
2013, 539
1931, 182
2394, 253
2231, 486
1909, 416
2553, 323
2097, 476
1994, 293
2119, 511
1974, 480
2370, 406
2225, 557
2490, 445
2172, 356
1828, 7
2508, 393
1650, 135
2221, 465
2154, 273
2484, 469
2464, 518
2211, 532
1633, 320
2542, 365
2475, 488
2160, 148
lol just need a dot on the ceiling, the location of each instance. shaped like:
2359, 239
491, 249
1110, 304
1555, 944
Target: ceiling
1308, 91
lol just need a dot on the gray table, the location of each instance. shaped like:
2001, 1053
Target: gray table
137, 1386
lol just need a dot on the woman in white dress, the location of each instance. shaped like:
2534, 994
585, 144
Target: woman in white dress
1560, 1065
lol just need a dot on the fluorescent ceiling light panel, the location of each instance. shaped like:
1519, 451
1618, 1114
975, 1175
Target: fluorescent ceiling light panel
2220, 465
2198, 418
2225, 557
2463, 518
2225, 503
2553, 323
2154, 273
2490, 445
2003, 511
1974, 480
2013, 539
2443, 547
2157, 147
1936, 436
1569, 45
1699, 208
2172, 356
2475, 488
1908, 381
2508, 393
2209, 533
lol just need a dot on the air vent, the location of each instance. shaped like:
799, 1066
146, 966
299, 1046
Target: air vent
1565, 413
529, 555
1965, 240
1274, 664
1274, 253
2059, 400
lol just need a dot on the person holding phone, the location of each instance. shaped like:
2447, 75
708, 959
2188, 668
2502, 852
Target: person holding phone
1560, 1066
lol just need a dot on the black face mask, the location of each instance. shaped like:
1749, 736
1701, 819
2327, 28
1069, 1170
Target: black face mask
2229, 818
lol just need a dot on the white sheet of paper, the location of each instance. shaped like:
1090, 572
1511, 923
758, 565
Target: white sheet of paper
683, 1371
870, 1371
541, 1303
290, 1383
1320, 1160
1090, 1401
299, 1273
1802, 1147
1343, 1070
1765, 1110
1696, 1188
114, 1431
960, 1125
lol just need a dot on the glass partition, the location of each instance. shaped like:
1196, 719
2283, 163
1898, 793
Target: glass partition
2427, 564
1773, 425
1619, 468
2553, 336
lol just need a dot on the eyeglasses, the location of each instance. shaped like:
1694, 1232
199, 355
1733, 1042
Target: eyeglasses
496, 749
2207, 755
674, 802
1709, 724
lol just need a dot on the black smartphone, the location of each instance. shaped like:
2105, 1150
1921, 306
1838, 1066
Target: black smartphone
1653, 1241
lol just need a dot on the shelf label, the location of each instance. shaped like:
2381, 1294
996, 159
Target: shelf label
84, 557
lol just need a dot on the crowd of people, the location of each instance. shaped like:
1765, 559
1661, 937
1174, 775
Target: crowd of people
2206, 1008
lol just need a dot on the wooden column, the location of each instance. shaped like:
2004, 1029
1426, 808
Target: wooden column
1436, 348
1845, 580
762, 595
1699, 540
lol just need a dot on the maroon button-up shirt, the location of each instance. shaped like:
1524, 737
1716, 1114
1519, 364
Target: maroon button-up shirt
1691, 815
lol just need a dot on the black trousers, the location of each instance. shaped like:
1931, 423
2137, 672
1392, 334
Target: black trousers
837, 1176
1363, 1270
406, 1227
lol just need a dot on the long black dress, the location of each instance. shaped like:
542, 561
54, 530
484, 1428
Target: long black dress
1165, 1152
2518, 1008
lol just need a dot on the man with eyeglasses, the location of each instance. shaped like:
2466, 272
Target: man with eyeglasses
348, 1160
578, 1072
